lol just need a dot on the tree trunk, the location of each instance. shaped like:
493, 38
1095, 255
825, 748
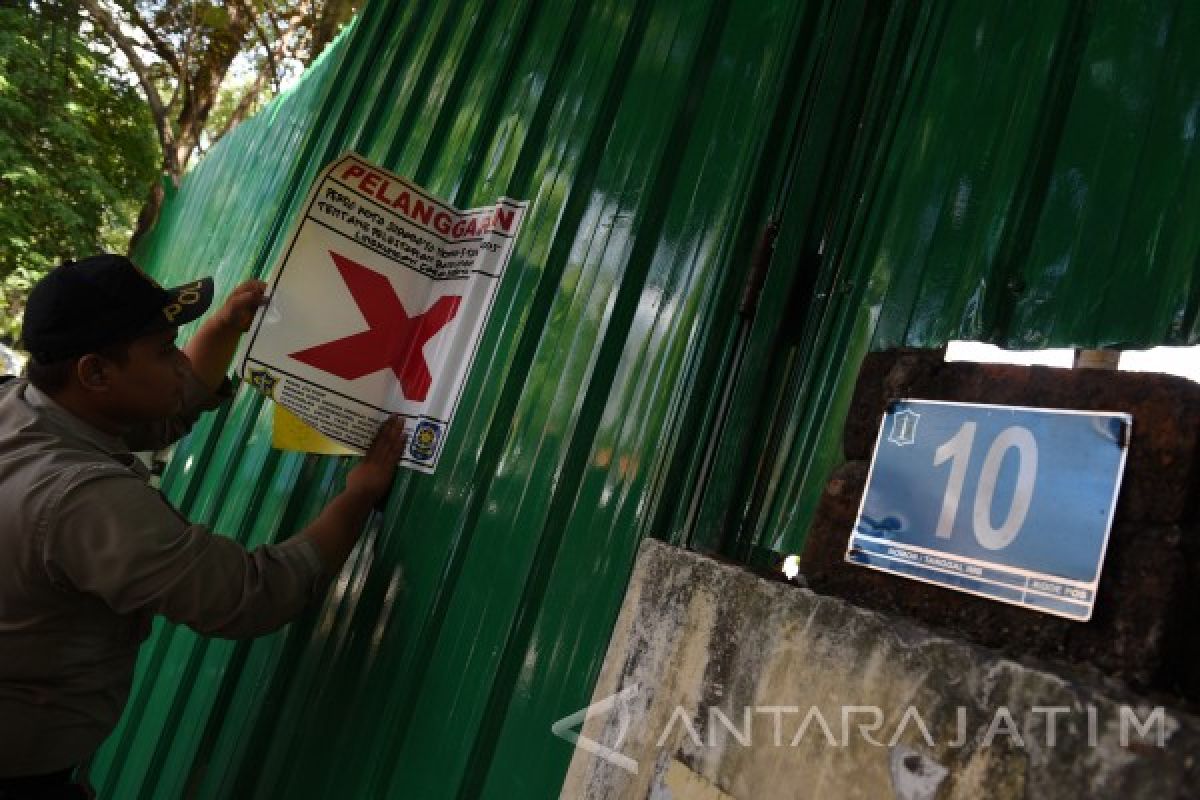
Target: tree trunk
332, 17
198, 73
179, 141
148, 215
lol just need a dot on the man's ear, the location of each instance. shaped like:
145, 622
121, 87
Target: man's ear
92, 372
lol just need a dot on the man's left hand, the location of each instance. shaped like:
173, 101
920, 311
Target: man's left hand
238, 310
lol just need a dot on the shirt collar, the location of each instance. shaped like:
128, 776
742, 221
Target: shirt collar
76, 427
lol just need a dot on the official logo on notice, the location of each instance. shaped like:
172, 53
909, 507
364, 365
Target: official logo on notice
264, 381
619, 703
425, 440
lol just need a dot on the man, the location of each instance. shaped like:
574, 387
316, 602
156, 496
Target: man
89, 552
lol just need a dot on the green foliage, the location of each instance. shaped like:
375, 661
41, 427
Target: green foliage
77, 149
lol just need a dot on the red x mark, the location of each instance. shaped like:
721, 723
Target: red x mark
394, 339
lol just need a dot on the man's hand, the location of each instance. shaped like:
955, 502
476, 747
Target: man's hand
238, 310
373, 475
213, 346
337, 528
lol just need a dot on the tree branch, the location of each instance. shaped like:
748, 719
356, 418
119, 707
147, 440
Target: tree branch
332, 15
185, 76
244, 105
129, 48
211, 65
157, 43
266, 43
286, 35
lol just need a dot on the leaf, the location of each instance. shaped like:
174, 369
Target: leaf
77, 149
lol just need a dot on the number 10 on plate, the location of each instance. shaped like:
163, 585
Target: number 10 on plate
1010, 503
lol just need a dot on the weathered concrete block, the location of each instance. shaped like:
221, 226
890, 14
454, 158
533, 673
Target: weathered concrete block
1163, 469
1181, 673
1144, 600
719, 684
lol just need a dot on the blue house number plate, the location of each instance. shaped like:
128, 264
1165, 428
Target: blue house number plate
1013, 504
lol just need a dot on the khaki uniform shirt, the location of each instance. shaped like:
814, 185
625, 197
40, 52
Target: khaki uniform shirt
89, 552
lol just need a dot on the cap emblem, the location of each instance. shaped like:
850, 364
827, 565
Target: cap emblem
188, 296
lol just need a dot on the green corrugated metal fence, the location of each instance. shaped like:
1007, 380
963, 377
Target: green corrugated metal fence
1022, 172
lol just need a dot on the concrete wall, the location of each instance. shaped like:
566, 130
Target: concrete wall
719, 683
697, 638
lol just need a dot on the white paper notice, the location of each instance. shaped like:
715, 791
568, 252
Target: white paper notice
377, 307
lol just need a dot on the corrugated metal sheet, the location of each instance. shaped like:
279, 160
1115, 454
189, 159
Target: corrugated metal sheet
1015, 171
1044, 191
1022, 173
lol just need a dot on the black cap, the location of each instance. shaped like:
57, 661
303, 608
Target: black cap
83, 306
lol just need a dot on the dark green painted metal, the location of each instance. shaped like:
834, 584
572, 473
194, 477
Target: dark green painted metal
1024, 174
1021, 171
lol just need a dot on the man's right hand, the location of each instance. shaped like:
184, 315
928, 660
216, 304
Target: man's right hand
373, 475
337, 528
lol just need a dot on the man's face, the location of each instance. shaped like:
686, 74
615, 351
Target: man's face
148, 385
